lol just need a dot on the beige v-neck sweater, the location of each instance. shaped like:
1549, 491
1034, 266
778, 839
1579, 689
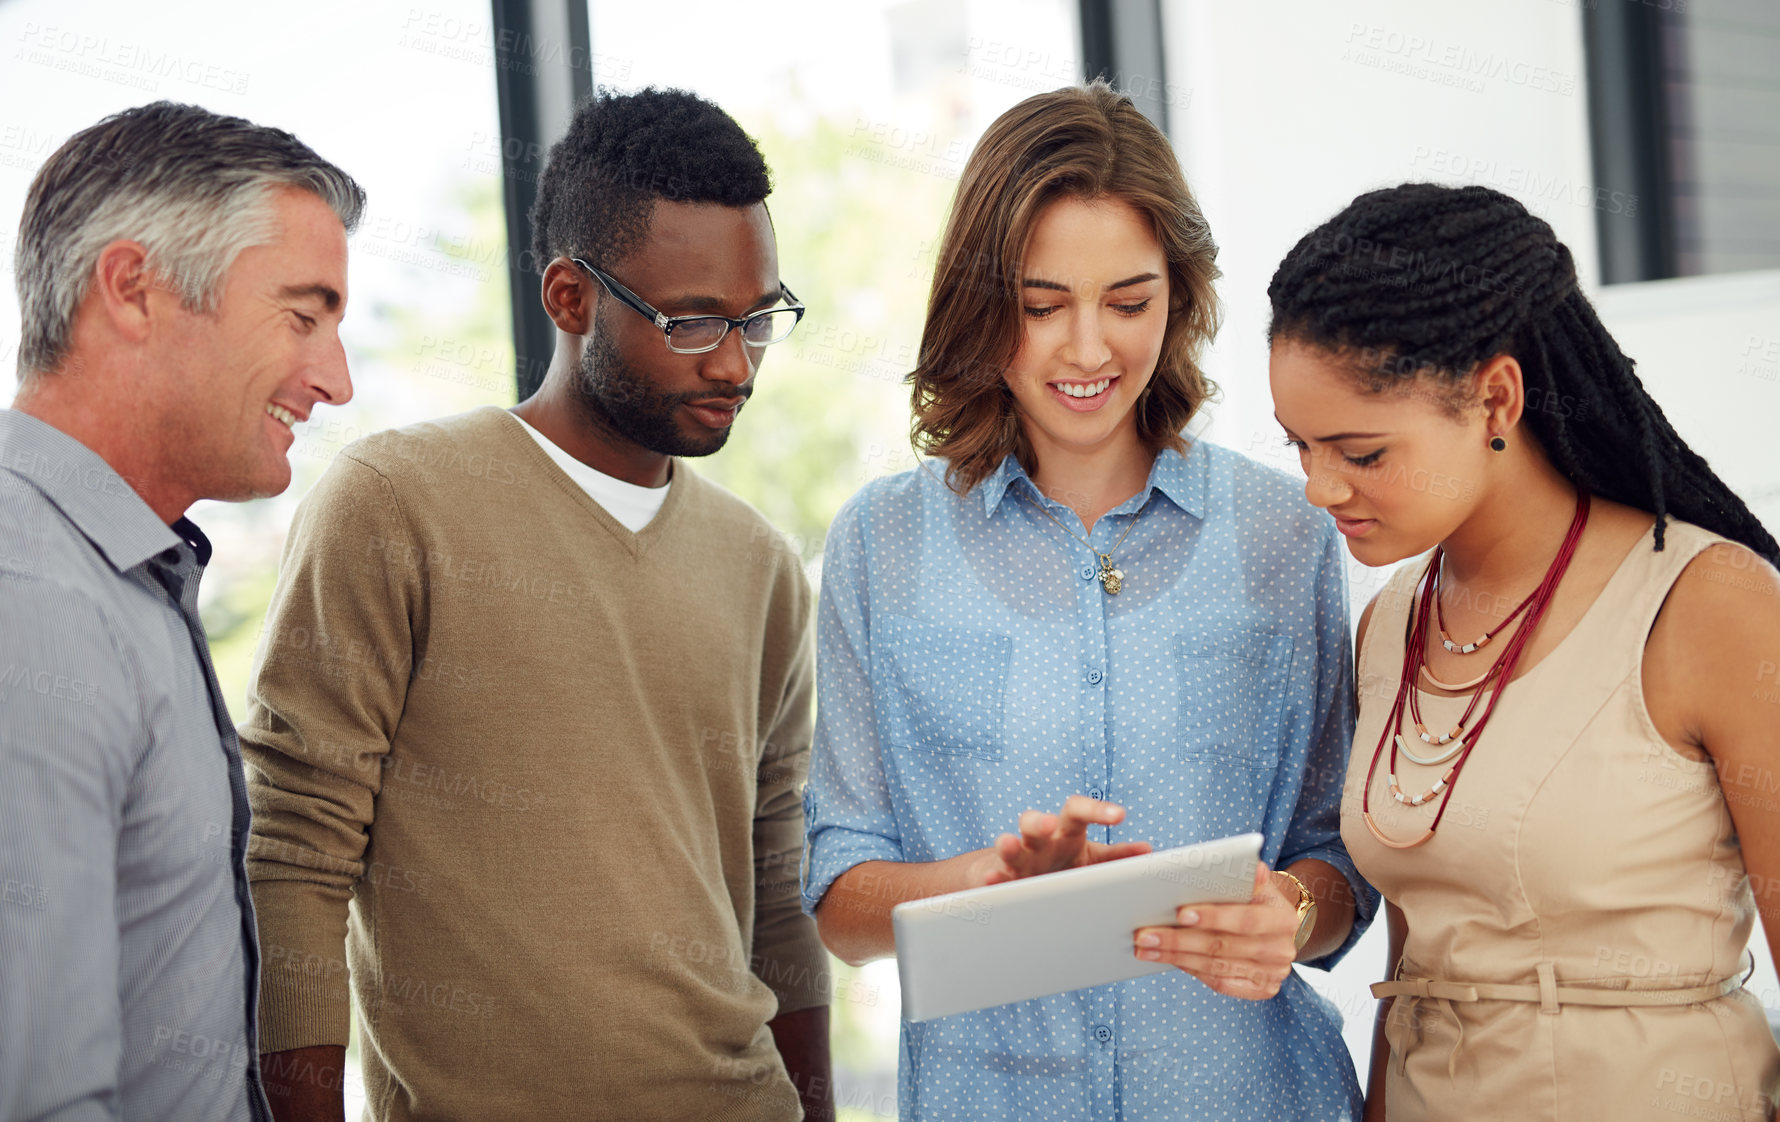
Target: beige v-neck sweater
526, 785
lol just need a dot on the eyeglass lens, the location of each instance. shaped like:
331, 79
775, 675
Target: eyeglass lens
707, 331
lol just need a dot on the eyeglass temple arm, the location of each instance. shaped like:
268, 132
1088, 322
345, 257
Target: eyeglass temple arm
659, 319
624, 295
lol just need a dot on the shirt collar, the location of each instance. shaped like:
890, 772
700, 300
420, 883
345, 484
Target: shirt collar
80, 484
1184, 479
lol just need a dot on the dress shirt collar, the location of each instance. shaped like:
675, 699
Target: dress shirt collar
102, 506
1184, 479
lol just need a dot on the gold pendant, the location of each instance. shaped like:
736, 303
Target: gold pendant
1111, 579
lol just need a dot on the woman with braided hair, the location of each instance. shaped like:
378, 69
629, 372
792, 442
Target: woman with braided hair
1563, 763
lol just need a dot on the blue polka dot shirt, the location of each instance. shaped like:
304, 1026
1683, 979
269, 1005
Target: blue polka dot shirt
971, 666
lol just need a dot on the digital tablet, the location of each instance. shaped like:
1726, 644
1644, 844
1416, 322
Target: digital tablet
1062, 931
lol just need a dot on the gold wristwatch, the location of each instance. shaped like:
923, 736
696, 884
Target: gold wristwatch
1306, 911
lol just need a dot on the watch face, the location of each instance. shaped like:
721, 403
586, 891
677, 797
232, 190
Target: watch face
1306, 924
1306, 911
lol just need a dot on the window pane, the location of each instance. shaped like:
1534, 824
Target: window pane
1722, 91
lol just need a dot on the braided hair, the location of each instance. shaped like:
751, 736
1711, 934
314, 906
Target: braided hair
1422, 279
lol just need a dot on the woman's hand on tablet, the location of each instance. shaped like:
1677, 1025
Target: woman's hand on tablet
1048, 843
1242, 950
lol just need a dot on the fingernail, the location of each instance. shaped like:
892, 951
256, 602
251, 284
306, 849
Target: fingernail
1189, 917
1149, 940
1150, 956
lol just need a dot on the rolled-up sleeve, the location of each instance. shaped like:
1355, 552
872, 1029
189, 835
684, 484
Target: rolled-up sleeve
70, 733
1315, 830
847, 805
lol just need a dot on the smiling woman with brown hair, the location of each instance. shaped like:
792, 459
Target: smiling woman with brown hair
1029, 159
1088, 611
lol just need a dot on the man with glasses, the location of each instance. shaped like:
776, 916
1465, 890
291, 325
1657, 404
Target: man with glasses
532, 709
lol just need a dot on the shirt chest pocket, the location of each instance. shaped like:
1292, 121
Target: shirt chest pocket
941, 688
1233, 695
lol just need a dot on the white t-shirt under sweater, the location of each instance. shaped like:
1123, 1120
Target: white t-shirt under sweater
631, 505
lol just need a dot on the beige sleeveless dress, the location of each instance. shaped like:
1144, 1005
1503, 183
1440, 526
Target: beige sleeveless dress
1577, 924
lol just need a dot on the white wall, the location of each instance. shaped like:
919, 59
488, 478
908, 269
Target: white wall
1708, 349
1283, 111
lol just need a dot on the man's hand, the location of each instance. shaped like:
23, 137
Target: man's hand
1050, 842
802, 1040
306, 1084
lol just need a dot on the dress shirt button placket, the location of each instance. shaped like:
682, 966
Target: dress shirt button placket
1100, 1011
1096, 756
1102, 1053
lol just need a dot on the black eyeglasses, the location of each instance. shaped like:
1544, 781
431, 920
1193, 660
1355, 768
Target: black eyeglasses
694, 335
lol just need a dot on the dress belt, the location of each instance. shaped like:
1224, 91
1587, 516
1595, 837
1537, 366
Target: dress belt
1549, 996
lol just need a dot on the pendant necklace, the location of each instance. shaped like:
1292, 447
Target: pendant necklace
1112, 579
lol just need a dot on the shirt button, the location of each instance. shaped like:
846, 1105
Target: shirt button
1102, 1034
1096, 793
1087, 572
1094, 677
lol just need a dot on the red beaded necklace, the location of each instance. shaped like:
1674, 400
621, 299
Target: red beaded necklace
1495, 681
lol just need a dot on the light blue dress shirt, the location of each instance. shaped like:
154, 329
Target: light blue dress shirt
971, 667
127, 946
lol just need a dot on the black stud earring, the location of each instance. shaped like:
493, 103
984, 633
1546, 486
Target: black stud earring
1497, 444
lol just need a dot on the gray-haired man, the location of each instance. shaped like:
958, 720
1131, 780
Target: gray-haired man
181, 276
